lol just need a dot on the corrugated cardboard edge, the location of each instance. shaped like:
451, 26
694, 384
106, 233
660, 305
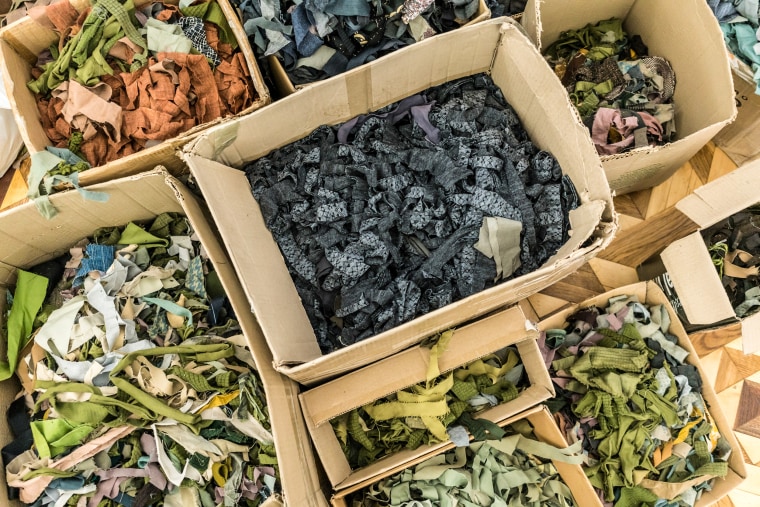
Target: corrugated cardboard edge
286, 87
358, 388
544, 429
26, 113
650, 293
162, 192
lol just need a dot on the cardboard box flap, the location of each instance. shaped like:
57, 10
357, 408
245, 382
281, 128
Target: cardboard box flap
323, 403
228, 193
751, 334
723, 197
584, 221
703, 298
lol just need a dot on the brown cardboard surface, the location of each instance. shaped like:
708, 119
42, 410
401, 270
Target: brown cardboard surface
544, 429
515, 65
704, 98
323, 403
286, 87
29, 239
736, 139
650, 293
20, 42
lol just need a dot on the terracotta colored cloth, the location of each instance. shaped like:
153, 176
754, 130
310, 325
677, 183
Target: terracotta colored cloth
174, 93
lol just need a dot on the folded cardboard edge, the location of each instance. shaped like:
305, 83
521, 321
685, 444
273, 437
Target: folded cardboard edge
650, 293
544, 429
723, 197
468, 343
337, 467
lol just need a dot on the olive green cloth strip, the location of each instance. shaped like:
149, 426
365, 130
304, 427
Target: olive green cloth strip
30, 293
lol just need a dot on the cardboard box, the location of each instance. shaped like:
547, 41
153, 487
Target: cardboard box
688, 263
20, 42
322, 404
704, 98
651, 294
28, 239
545, 430
741, 139
496, 46
286, 87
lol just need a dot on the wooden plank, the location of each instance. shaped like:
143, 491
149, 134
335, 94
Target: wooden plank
641, 198
611, 274
708, 341
720, 165
16, 192
633, 246
702, 161
625, 205
544, 305
576, 287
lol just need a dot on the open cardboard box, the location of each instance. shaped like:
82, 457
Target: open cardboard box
497, 47
704, 96
469, 343
544, 429
651, 294
687, 261
23, 40
29, 239
286, 87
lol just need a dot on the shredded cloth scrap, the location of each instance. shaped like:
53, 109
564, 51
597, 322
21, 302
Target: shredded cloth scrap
122, 79
740, 24
437, 410
139, 389
427, 201
515, 470
624, 389
317, 39
734, 245
624, 96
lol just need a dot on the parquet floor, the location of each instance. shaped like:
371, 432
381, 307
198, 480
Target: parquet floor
648, 223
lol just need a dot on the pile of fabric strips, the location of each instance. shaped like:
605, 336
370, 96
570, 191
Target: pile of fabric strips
123, 79
316, 39
510, 471
394, 214
734, 245
437, 410
740, 23
625, 391
139, 389
623, 95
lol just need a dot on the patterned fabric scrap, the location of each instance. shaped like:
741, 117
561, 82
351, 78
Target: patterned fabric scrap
437, 410
513, 471
378, 219
139, 389
624, 95
740, 24
734, 245
626, 392
121, 79
317, 39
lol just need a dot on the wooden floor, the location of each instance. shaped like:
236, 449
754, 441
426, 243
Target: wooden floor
648, 223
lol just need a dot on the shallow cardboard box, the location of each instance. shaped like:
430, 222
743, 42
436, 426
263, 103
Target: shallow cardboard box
286, 87
495, 46
741, 139
28, 239
704, 97
651, 294
408, 368
687, 261
21, 41
544, 429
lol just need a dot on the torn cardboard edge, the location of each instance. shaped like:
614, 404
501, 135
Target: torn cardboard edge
468, 343
29, 239
545, 430
651, 294
20, 43
704, 97
515, 65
